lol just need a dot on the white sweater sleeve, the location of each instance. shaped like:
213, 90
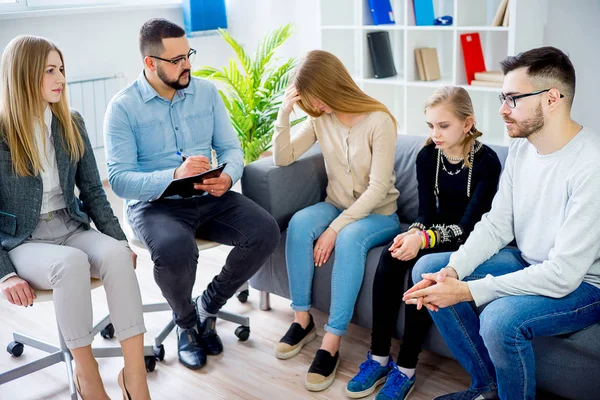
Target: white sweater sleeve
575, 250
493, 232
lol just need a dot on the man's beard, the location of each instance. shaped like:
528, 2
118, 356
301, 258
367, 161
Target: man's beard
528, 127
174, 83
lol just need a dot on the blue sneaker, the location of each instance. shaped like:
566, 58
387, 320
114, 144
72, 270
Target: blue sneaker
370, 375
397, 386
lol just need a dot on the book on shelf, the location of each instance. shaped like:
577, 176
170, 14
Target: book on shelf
424, 14
499, 17
506, 14
472, 54
381, 54
428, 64
476, 82
490, 76
381, 11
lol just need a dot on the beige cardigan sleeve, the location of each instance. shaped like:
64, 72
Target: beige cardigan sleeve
382, 166
287, 149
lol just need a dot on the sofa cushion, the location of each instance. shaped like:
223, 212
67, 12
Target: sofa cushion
407, 148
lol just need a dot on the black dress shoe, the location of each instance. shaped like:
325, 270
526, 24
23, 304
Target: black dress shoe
189, 349
208, 336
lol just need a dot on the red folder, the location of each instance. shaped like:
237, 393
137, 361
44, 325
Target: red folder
473, 55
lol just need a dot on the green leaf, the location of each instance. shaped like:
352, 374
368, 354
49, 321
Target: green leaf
253, 89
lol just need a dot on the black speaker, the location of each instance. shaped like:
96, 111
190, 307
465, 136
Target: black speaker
381, 54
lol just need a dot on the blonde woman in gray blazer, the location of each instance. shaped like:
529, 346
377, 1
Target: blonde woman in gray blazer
45, 237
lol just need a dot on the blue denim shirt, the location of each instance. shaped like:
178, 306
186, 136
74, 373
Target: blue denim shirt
143, 131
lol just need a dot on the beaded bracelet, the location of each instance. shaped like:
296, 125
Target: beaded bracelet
417, 225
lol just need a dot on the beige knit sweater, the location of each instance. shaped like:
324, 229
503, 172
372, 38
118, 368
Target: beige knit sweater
359, 161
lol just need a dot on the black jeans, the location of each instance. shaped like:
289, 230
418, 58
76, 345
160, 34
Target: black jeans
168, 229
387, 297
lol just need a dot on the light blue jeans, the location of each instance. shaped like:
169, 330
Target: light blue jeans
495, 346
351, 247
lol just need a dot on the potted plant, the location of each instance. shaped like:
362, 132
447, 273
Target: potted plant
253, 89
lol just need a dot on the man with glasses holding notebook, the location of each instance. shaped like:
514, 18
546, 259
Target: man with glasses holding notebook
164, 126
548, 202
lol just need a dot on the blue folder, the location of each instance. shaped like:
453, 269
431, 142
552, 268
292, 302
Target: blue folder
203, 15
424, 12
381, 11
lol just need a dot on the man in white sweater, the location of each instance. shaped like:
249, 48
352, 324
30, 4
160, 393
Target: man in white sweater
548, 202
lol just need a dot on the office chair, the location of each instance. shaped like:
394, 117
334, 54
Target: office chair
61, 353
242, 331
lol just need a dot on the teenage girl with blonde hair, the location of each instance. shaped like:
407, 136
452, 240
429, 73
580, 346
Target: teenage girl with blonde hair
458, 177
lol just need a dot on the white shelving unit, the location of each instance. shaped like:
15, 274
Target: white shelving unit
345, 24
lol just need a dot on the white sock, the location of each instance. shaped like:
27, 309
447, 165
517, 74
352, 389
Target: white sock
203, 314
410, 372
383, 360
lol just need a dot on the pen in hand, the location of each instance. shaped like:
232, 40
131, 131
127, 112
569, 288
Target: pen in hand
191, 165
182, 155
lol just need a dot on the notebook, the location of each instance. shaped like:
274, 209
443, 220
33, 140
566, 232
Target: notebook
472, 55
424, 14
428, 64
381, 54
381, 11
184, 187
490, 76
499, 17
476, 82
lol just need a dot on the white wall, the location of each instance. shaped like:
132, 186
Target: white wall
573, 26
103, 44
107, 43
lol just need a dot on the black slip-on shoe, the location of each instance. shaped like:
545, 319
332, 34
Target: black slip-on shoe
322, 371
189, 349
294, 339
208, 336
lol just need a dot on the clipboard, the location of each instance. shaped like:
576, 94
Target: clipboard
184, 187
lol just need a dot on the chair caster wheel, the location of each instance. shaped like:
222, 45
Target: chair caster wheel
159, 352
15, 349
243, 296
150, 363
108, 332
242, 332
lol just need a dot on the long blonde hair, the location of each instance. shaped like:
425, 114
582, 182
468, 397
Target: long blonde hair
459, 102
22, 105
321, 75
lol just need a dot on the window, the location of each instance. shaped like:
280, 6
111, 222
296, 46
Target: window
9, 6
66, 3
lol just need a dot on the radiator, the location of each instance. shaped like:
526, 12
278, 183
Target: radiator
90, 97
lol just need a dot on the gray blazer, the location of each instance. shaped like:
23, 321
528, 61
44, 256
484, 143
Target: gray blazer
21, 197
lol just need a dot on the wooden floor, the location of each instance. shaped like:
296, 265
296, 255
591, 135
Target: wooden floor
245, 370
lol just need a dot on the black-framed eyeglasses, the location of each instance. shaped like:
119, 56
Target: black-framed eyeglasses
511, 101
179, 61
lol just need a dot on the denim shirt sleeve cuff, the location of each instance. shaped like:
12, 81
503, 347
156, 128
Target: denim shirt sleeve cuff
160, 180
233, 172
5, 277
482, 290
